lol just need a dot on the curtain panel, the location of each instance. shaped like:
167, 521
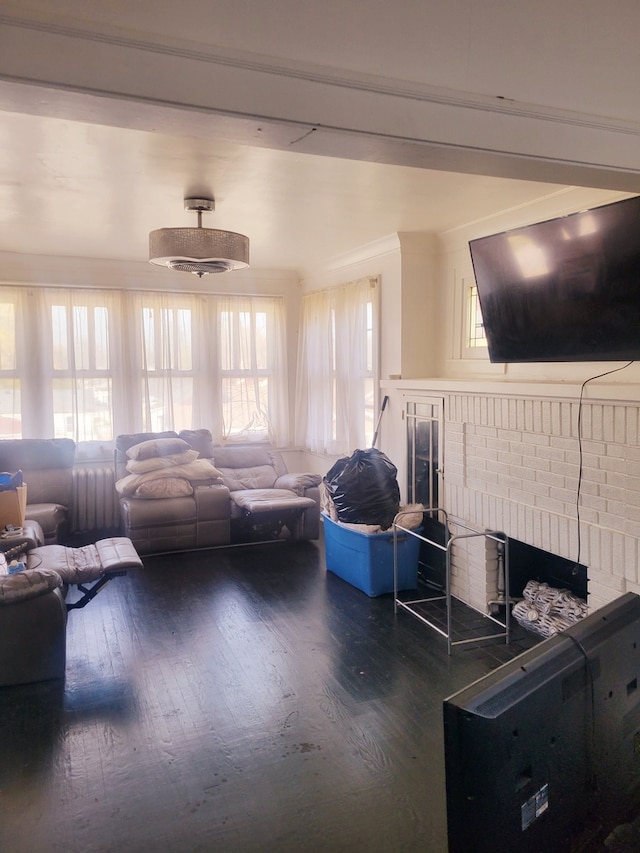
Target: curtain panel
337, 367
90, 364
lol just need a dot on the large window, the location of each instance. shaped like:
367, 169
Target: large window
337, 368
80, 363
475, 326
10, 385
89, 364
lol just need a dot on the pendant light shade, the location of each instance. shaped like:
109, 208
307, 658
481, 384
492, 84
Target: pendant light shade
198, 250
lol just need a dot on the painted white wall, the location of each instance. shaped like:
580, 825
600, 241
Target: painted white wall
510, 432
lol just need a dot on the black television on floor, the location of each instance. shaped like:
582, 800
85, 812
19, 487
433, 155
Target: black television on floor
567, 289
547, 746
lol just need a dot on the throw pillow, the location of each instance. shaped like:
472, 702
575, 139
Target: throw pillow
157, 447
154, 463
167, 487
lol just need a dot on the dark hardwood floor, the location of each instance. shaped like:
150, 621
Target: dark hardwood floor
238, 699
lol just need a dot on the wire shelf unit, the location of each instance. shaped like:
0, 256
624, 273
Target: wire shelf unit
411, 606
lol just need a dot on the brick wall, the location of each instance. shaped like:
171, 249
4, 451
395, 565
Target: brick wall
513, 464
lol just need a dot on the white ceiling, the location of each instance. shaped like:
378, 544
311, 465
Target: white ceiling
93, 157
80, 189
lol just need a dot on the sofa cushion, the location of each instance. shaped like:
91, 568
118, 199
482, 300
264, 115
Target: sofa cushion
127, 440
257, 501
167, 514
87, 563
28, 584
249, 457
36, 453
157, 447
167, 487
141, 466
198, 471
258, 477
200, 440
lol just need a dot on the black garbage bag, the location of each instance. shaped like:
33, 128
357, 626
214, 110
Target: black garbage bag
364, 488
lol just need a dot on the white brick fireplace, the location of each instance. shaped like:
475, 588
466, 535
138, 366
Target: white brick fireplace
511, 462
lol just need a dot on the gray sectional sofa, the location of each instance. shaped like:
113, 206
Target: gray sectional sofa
246, 493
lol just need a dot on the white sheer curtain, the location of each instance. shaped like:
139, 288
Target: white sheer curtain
337, 367
89, 364
164, 360
80, 359
252, 368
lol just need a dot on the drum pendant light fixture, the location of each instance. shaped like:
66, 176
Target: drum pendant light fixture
199, 250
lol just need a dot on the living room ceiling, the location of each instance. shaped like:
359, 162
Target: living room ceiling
111, 113
81, 189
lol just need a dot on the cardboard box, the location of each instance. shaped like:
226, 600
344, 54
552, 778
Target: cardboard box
13, 506
365, 560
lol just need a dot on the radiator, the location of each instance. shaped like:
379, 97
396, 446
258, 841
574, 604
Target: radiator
95, 500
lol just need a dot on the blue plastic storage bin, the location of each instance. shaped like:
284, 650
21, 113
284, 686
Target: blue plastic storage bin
365, 560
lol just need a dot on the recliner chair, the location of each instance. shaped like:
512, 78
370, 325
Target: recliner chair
198, 520
47, 465
265, 497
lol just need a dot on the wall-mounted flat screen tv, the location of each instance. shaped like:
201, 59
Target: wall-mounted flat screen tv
567, 289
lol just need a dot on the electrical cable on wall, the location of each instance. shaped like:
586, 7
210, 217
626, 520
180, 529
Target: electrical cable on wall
580, 462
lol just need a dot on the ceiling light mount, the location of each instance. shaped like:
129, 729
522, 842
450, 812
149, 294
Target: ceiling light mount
199, 250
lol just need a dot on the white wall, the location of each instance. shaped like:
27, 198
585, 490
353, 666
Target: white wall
511, 449
511, 455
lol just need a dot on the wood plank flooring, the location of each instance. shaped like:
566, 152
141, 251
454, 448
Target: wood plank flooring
238, 699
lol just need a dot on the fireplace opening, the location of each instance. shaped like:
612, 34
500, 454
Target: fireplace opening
528, 563
548, 593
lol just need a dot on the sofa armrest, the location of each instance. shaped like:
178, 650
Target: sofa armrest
298, 483
213, 513
304, 485
212, 501
33, 639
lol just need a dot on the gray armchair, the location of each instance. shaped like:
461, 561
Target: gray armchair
265, 497
47, 465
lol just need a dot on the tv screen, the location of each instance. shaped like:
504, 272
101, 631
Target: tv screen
563, 290
548, 745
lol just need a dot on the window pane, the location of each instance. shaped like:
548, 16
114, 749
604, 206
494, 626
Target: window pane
245, 403
82, 408
369, 418
81, 357
10, 408
475, 333
262, 356
167, 396
59, 337
183, 344
8, 337
148, 339
101, 318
